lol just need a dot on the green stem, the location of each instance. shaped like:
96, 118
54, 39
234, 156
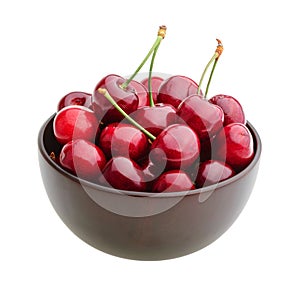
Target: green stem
150, 77
160, 35
105, 93
210, 77
214, 59
205, 70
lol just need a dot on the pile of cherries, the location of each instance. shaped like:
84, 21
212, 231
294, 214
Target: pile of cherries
157, 135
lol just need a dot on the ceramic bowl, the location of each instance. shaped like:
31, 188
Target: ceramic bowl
140, 225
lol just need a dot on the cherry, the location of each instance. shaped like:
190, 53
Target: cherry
205, 118
212, 172
120, 139
155, 84
125, 97
82, 158
206, 149
158, 116
151, 172
107, 96
233, 111
155, 118
124, 174
175, 89
142, 93
75, 98
75, 122
120, 90
234, 145
177, 145
173, 181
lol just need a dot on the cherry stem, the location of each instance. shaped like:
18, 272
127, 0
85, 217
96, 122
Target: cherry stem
204, 72
210, 77
214, 59
52, 156
152, 104
105, 93
160, 35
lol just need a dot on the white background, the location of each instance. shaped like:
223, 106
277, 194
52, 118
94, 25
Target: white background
50, 48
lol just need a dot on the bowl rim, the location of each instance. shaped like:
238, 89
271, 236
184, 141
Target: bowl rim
95, 186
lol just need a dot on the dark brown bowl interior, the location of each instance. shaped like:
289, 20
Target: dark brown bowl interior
151, 226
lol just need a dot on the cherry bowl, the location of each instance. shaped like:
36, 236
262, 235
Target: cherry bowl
141, 225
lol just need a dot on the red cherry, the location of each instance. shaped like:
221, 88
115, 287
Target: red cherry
176, 88
212, 172
142, 93
233, 111
234, 145
151, 172
124, 174
82, 158
75, 122
155, 83
155, 118
173, 181
121, 91
120, 139
75, 98
124, 97
206, 151
205, 118
178, 146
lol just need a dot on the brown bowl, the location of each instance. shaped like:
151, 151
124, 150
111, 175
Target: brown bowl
140, 225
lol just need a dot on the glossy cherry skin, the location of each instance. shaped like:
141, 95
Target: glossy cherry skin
75, 98
212, 172
206, 149
156, 118
155, 84
125, 98
234, 145
75, 122
124, 174
173, 181
233, 110
176, 147
204, 118
175, 89
142, 92
120, 139
151, 171
82, 158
